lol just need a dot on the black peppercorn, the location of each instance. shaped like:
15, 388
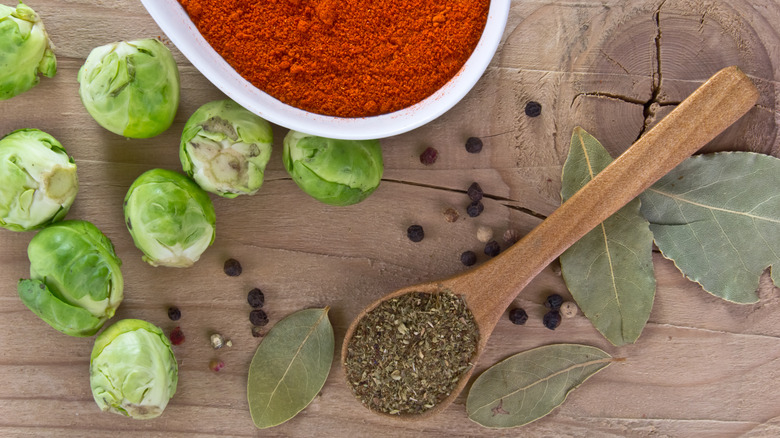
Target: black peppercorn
518, 316
232, 267
428, 156
255, 298
468, 258
492, 248
174, 313
533, 109
473, 145
258, 318
475, 192
415, 233
553, 302
552, 319
475, 208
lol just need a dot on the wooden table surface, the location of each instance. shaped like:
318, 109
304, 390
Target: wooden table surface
702, 367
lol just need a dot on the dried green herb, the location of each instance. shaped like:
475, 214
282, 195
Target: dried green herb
409, 353
718, 217
609, 271
529, 385
290, 367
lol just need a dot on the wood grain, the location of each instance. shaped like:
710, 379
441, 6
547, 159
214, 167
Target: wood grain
702, 367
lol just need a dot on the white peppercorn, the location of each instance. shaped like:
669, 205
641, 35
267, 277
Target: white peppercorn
217, 341
484, 234
569, 309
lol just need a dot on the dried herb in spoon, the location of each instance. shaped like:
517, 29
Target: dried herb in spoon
409, 353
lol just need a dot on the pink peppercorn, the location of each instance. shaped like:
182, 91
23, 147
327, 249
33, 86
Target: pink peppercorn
177, 336
428, 156
216, 365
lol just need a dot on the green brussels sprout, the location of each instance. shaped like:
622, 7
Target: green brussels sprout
336, 172
38, 180
171, 219
225, 148
25, 50
75, 280
131, 88
132, 369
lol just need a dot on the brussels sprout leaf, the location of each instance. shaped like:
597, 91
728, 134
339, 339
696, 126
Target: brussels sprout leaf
68, 319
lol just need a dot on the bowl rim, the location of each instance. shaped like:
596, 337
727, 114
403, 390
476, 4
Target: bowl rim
172, 19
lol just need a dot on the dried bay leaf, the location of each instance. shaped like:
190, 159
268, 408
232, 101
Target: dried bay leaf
290, 367
717, 216
609, 271
529, 385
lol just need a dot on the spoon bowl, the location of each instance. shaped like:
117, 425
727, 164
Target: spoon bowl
490, 288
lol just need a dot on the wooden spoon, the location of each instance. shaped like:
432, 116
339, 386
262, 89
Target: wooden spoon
490, 288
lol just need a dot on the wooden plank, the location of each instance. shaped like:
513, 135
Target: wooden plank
702, 367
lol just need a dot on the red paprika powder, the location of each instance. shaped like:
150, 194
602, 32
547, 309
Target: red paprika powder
346, 58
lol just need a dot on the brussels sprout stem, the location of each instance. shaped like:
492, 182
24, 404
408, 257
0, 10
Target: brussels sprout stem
60, 183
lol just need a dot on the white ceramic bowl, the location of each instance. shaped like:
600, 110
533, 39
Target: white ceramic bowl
173, 20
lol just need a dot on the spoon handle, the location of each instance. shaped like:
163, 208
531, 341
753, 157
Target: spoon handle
712, 108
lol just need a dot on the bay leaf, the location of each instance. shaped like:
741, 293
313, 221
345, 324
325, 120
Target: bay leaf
609, 271
290, 367
529, 385
717, 216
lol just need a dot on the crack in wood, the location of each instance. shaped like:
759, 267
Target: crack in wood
499, 134
524, 210
282, 249
502, 200
622, 98
423, 185
653, 103
416, 273
612, 60
701, 21
614, 96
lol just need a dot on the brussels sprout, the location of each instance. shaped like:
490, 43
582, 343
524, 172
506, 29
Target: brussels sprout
225, 148
171, 219
132, 369
38, 180
131, 88
336, 172
75, 280
25, 50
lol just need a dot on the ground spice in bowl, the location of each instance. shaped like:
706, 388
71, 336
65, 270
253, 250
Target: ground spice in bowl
348, 58
409, 353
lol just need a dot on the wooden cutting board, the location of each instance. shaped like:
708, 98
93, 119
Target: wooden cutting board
702, 367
